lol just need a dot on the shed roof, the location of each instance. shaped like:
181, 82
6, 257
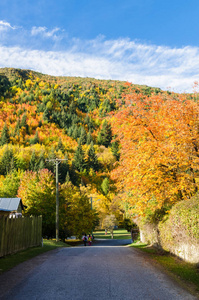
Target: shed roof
10, 204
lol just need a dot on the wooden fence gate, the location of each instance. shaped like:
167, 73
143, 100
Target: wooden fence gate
17, 234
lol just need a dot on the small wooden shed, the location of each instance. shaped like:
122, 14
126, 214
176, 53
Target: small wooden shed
11, 207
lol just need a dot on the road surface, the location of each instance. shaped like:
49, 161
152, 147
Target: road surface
106, 270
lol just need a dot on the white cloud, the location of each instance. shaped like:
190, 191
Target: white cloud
5, 26
44, 32
122, 59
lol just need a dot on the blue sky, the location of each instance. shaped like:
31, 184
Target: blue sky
150, 42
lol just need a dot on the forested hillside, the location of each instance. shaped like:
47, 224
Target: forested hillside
133, 149
44, 117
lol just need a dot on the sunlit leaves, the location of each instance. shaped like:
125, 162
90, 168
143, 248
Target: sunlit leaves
159, 155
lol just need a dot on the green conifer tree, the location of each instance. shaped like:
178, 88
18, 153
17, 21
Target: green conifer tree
6, 162
24, 122
50, 164
35, 140
60, 145
83, 137
115, 149
88, 121
33, 162
70, 131
46, 115
17, 128
72, 108
92, 158
105, 135
4, 85
67, 177
63, 169
79, 161
40, 123
42, 164
89, 138
75, 133
5, 136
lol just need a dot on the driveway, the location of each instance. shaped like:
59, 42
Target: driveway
108, 269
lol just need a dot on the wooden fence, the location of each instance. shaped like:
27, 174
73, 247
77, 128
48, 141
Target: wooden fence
17, 234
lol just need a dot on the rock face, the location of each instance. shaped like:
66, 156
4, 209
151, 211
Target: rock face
178, 233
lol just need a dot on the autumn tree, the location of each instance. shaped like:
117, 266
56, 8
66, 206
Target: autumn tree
9, 185
105, 186
110, 222
159, 151
76, 216
38, 193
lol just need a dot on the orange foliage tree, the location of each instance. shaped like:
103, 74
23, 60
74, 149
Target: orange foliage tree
159, 150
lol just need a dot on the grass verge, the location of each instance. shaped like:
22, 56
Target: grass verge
74, 242
117, 234
10, 261
185, 273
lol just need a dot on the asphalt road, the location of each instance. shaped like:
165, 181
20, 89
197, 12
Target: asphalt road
106, 270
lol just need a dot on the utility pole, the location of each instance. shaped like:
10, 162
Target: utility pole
57, 161
91, 198
91, 203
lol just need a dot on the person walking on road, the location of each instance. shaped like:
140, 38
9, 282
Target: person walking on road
85, 239
89, 239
